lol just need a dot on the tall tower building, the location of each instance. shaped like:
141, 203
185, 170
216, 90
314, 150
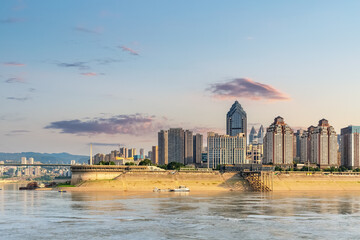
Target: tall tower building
252, 135
260, 135
163, 147
236, 120
225, 149
278, 143
23, 160
142, 156
323, 145
176, 145
350, 146
188, 147
154, 155
298, 135
197, 148
124, 152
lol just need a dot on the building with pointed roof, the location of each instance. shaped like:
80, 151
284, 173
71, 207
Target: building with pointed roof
236, 120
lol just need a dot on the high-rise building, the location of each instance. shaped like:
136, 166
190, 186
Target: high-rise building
176, 145
23, 160
225, 149
298, 135
124, 152
131, 152
252, 135
236, 120
350, 146
255, 153
188, 147
31, 160
197, 148
163, 147
318, 145
142, 153
278, 143
260, 136
323, 145
155, 155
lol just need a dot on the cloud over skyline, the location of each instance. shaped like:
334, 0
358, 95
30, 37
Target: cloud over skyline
79, 65
246, 88
88, 30
129, 50
15, 80
132, 124
21, 99
15, 64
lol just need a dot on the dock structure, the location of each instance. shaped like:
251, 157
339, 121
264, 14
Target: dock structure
259, 181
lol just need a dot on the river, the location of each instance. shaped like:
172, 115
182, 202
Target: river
109, 215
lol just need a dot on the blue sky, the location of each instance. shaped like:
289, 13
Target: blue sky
75, 72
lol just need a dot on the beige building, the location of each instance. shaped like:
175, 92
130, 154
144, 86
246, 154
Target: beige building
155, 155
318, 145
225, 149
255, 153
278, 143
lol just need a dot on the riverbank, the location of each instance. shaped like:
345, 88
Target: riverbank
302, 181
147, 181
216, 182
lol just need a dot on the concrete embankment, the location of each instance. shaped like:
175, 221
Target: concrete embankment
147, 181
302, 181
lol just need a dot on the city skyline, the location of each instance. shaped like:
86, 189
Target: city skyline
119, 72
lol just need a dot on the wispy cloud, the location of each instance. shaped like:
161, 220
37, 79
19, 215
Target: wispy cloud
91, 74
133, 124
31, 89
21, 99
15, 80
17, 132
11, 20
246, 88
79, 65
106, 61
129, 50
106, 144
15, 64
88, 30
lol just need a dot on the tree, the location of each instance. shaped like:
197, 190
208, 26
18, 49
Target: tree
175, 166
129, 163
111, 163
145, 162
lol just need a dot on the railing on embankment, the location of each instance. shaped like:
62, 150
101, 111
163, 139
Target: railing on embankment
259, 181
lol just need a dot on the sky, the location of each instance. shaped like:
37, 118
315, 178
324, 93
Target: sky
116, 72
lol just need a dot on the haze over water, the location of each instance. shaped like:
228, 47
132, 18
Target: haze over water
107, 215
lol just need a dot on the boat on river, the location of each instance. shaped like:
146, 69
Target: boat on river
180, 189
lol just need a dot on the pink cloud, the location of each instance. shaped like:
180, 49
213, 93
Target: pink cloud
16, 64
129, 50
90, 74
246, 88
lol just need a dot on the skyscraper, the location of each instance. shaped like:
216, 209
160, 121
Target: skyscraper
225, 149
252, 135
323, 144
350, 146
278, 143
142, 156
154, 155
260, 136
236, 120
176, 145
197, 148
188, 147
163, 147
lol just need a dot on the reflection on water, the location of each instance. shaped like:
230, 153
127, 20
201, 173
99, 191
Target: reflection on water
109, 215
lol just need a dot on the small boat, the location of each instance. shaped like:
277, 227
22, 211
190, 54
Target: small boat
180, 189
62, 191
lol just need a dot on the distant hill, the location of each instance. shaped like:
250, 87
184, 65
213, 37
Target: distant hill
64, 158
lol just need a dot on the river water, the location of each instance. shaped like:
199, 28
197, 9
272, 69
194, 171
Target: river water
108, 215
